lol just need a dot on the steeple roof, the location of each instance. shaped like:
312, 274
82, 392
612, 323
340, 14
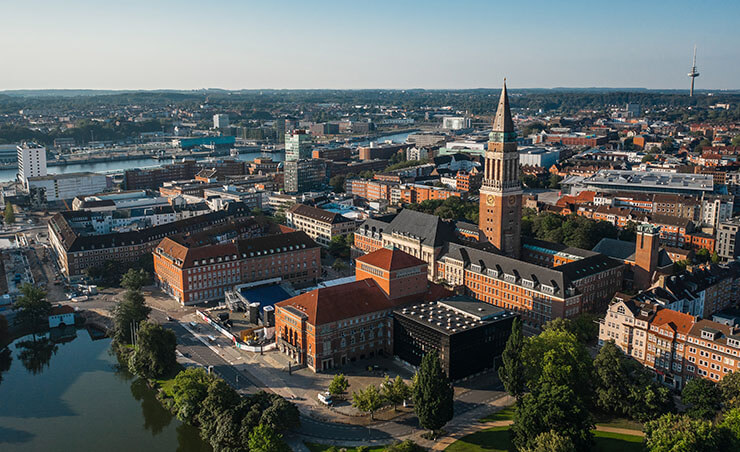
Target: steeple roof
503, 122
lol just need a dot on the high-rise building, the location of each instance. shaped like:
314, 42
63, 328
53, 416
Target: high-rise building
31, 161
221, 121
304, 175
297, 145
500, 210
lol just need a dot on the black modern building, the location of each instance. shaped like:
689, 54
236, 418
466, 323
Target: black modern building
468, 334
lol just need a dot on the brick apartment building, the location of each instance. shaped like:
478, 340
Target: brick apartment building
193, 270
416, 193
676, 346
372, 190
153, 178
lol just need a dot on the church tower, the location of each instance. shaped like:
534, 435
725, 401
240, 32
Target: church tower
500, 211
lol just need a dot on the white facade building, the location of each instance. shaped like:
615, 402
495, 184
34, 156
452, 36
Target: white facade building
220, 121
31, 161
541, 157
455, 123
56, 187
415, 153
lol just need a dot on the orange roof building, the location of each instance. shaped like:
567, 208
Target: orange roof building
331, 326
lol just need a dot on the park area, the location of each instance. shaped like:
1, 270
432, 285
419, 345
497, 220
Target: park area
609, 436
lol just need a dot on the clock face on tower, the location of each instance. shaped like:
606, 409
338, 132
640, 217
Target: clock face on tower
512, 200
490, 200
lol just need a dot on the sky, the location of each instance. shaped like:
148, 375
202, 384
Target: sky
244, 44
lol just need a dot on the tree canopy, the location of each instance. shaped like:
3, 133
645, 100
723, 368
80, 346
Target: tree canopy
33, 305
571, 230
432, 394
154, 351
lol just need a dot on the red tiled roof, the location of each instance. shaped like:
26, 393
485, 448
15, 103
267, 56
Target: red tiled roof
676, 321
390, 259
330, 304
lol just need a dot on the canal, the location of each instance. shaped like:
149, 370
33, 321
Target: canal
67, 394
8, 174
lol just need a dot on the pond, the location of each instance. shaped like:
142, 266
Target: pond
63, 391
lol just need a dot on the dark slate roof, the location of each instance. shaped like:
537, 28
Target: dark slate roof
625, 251
317, 214
550, 276
432, 230
618, 249
587, 266
73, 242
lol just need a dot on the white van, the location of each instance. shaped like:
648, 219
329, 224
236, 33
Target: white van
325, 398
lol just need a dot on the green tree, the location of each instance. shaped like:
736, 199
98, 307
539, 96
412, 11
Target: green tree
220, 399
280, 415
551, 441
403, 446
680, 433
702, 255
559, 376
128, 312
339, 246
265, 439
337, 183
395, 391
134, 280
559, 353
368, 400
554, 181
611, 380
338, 385
511, 372
552, 407
729, 386
702, 144
33, 305
432, 394
715, 258
154, 352
9, 214
189, 391
339, 265
704, 398
735, 140
648, 399
730, 430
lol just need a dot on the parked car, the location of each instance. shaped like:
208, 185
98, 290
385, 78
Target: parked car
325, 398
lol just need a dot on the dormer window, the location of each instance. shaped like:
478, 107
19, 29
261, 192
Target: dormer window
709, 334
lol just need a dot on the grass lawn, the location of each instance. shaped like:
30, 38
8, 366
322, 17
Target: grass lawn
497, 439
506, 414
315, 447
619, 423
166, 384
615, 442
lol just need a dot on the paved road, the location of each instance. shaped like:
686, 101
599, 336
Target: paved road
208, 354
196, 350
